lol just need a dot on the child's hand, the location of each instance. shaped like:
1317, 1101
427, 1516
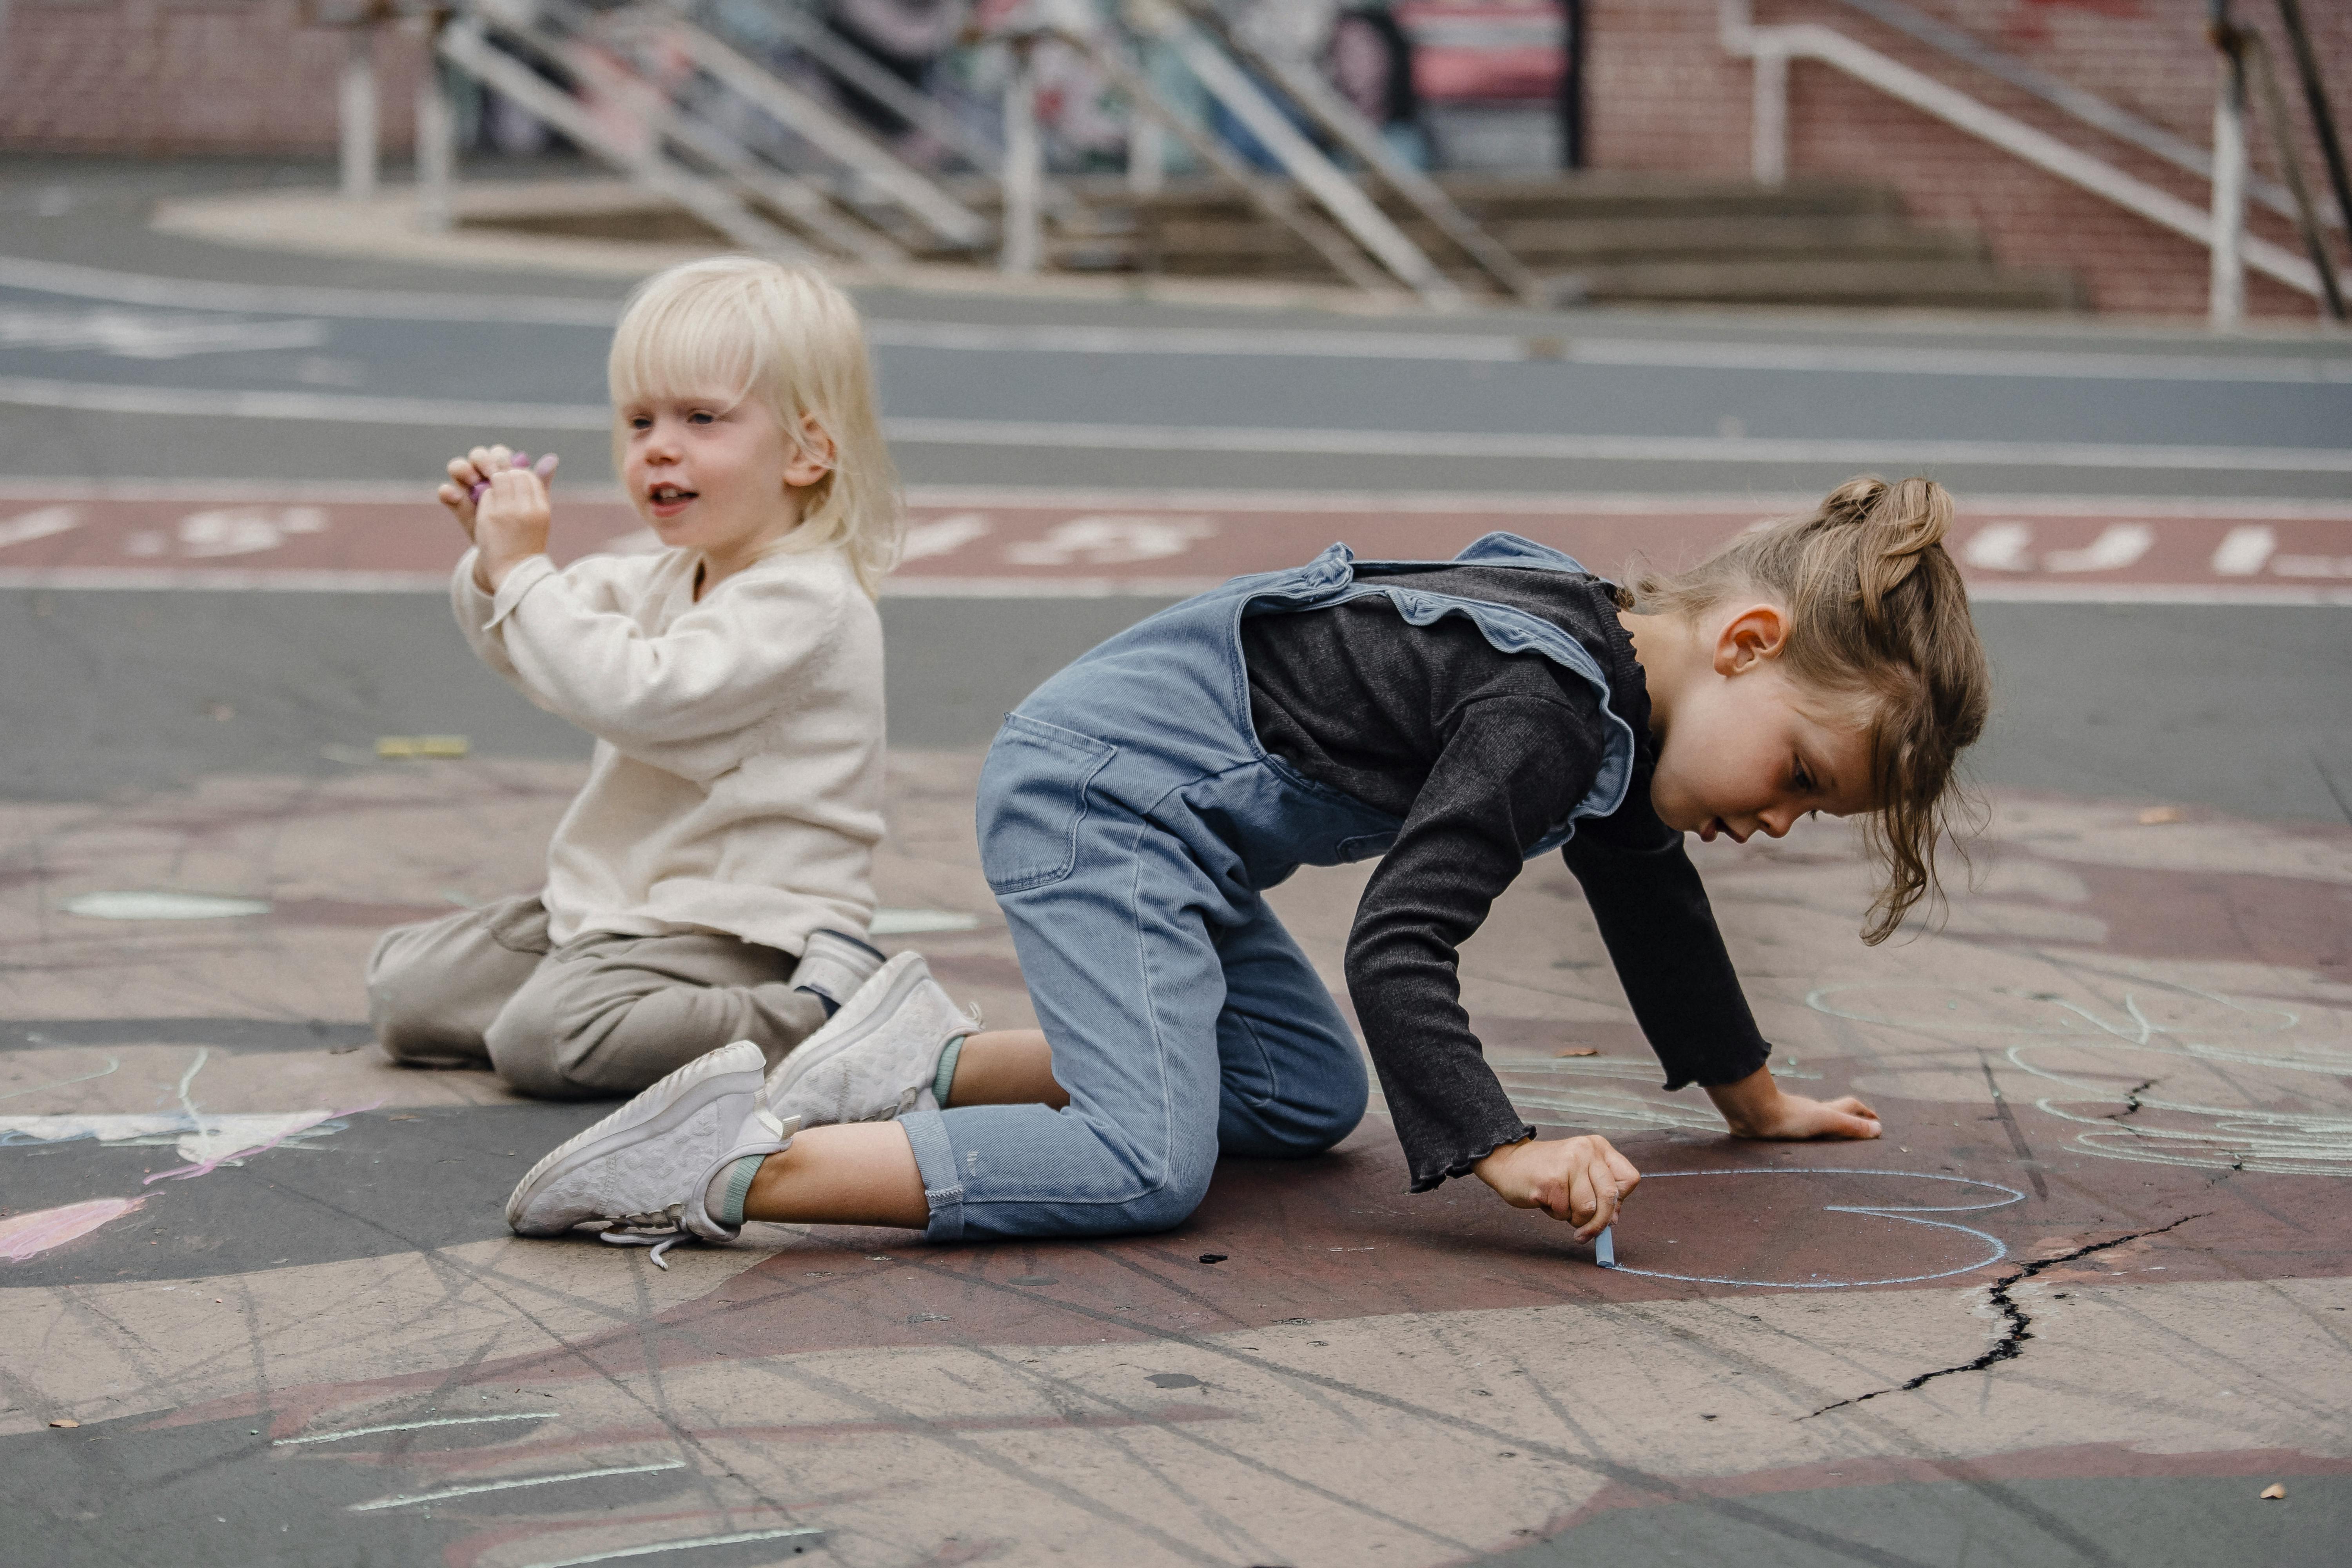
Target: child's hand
1754, 1108
1580, 1180
464, 474
503, 507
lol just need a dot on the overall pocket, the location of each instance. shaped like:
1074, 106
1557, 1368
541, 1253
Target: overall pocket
1033, 798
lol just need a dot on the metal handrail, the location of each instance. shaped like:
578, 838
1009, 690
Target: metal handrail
463, 45
1315, 175
2088, 107
1340, 119
1772, 48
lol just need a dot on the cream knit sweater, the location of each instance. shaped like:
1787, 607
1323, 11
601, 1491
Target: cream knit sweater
736, 782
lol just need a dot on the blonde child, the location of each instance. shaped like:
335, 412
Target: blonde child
1456, 718
711, 882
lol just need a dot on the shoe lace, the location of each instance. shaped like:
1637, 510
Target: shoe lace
661, 1229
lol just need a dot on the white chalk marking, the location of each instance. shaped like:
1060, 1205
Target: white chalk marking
913, 922
517, 1481
2317, 1142
806, 1533
114, 1064
1882, 1211
412, 1426
162, 906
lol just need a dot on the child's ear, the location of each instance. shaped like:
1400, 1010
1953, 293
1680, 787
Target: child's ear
815, 453
1751, 637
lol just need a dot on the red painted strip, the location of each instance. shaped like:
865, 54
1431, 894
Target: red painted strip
2057, 550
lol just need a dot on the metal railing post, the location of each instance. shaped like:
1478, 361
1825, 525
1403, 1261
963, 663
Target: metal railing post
436, 144
1024, 167
355, 104
2227, 305
1769, 138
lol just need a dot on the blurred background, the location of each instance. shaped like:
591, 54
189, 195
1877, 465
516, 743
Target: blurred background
1163, 290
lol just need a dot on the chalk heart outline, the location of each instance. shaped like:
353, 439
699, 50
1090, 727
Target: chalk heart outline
1904, 1212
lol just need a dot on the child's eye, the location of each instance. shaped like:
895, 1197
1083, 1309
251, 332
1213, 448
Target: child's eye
1804, 780
639, 422
700, 416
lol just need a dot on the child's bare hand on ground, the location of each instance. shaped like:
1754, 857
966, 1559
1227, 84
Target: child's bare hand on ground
1755, 1107
1580, 1179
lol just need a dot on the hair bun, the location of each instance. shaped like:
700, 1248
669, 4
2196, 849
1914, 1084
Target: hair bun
1905, 519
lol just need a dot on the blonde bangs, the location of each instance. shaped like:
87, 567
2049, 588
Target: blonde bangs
745, 329
684, 337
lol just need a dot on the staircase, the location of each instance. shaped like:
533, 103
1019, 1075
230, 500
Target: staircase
1611, 238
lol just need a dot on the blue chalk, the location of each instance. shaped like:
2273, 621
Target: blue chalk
1604, 1247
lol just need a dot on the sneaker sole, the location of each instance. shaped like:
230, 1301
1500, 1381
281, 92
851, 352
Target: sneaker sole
669, 1101
798, 1064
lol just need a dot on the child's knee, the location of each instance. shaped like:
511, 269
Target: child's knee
1169, 1203
1302, 1121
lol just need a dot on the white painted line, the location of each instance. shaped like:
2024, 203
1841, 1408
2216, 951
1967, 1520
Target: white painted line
331, 407
1064, 435
145, 579
799, 1533
334, 407
363, 304
518, 1482
103, 579
1655, 354
2249, 595
38, 524
2244, 551
1539, 345
411, 1426
341, 408
1367, 503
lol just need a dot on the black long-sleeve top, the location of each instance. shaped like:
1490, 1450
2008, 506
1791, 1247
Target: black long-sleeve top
1481, 753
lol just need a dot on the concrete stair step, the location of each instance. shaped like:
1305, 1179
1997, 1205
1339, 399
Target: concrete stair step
1557, 242
1926, 283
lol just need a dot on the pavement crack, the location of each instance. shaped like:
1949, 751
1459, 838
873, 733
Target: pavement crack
2131, 1102
2012, 1343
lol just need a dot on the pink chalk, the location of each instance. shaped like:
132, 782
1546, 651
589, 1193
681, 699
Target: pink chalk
26, 1236
544, 469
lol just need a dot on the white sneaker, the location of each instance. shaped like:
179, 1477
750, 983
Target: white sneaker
877, 1057
648, 1166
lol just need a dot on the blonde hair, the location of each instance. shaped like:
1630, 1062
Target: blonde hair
748, 330
1877, 612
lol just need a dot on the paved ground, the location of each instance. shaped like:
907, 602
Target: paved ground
2085, 1302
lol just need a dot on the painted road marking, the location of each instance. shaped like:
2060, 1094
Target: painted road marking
1032, 543
1919, 359
351, 408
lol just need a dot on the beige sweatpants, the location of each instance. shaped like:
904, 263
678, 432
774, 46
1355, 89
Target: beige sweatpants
602, 1015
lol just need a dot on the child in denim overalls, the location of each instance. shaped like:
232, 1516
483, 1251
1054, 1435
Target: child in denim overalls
1456, 719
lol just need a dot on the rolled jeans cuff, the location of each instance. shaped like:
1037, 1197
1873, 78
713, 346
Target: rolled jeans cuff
935, 1159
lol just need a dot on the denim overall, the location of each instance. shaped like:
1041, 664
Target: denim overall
1130, 822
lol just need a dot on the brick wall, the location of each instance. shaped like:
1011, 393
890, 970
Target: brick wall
1665, 96
185, 75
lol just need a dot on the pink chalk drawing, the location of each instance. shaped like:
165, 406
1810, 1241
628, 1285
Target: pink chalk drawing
212, 1163
26, 1236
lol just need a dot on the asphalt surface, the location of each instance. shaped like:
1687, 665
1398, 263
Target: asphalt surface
113, 697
